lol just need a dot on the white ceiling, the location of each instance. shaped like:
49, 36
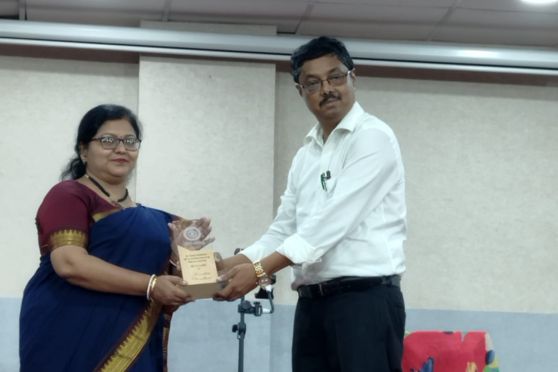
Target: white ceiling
495, 22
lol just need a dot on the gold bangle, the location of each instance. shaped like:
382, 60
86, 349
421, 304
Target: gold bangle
150, 285
153, 284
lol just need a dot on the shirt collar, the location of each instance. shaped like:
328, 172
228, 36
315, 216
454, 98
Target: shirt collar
348, 124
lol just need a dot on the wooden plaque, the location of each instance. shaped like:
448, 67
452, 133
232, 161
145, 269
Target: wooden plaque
199, 271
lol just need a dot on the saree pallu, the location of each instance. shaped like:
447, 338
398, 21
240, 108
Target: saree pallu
64, 327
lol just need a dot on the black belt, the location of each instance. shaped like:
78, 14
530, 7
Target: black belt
346, 284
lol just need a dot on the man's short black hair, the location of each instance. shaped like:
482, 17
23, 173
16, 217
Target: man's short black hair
319, 47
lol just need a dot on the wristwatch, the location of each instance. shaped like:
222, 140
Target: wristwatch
263, 278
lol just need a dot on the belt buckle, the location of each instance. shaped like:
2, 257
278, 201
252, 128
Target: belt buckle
329, 288
392, 280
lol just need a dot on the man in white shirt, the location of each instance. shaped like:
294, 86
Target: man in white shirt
340, 226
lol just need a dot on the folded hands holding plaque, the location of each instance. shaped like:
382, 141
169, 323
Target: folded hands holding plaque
198, 266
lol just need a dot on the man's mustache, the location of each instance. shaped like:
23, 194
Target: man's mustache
328, 97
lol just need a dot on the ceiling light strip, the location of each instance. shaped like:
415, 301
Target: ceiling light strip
277, 48
277, 57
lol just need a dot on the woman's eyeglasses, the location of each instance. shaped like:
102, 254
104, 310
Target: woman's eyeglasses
110, 142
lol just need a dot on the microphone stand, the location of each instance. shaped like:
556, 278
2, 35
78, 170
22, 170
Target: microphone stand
256, 309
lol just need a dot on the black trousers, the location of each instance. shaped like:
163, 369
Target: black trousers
358, 331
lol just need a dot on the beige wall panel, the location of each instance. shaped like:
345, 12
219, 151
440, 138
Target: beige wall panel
481, 173
208, 148
42, 103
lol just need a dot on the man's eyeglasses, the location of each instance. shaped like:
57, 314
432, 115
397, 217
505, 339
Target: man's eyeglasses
110, 142
335, 80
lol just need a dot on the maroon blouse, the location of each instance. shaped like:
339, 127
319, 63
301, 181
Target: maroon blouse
66, 214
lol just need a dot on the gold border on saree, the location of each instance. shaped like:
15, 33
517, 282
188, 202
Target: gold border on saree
129, 349
68, 237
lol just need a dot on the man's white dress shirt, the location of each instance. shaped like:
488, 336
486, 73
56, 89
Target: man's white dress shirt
352, 223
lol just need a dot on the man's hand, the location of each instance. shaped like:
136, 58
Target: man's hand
240, 280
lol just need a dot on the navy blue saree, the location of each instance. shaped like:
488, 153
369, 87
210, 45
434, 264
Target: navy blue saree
64, 327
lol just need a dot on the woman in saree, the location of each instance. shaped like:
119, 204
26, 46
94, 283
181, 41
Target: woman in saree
103, 295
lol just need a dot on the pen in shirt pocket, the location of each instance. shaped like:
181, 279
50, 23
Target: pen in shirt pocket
323, 179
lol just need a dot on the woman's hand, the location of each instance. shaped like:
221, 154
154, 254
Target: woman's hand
219, 262
204, 224
169, 291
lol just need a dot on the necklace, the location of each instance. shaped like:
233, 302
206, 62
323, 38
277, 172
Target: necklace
96, 183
